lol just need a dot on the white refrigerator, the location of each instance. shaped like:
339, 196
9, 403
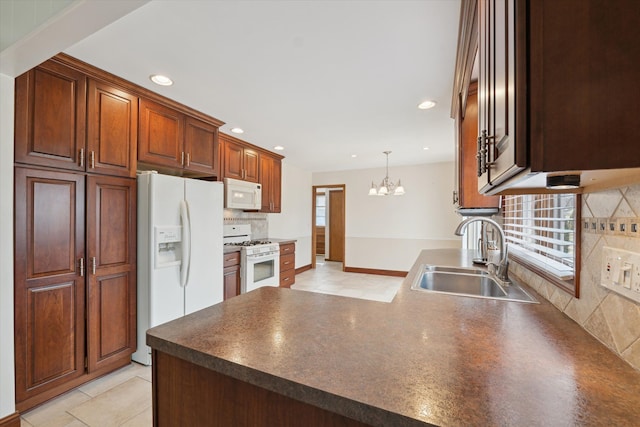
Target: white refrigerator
179, 250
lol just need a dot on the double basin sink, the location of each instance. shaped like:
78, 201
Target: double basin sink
470, 282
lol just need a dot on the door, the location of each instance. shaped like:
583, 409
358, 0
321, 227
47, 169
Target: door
111, 250
49, 280
201, 147
161, 135
336, 225
112, 130
251, 164
204, 285
51, 136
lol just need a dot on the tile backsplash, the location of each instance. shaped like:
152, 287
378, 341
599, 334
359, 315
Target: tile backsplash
608, 219
258, 221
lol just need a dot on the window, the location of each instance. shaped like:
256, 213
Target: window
542, 232
321, 210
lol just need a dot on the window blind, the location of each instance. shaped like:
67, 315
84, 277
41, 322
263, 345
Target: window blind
541, 229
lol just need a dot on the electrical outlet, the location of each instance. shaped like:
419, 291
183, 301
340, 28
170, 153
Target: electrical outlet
620, 272
635, 279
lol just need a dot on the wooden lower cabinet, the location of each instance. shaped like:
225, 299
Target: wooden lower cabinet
75, 296
231, 277
287, 265
187, 394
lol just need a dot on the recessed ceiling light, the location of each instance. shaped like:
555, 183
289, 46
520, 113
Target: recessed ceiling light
426, 105
161, 80
278, 147
425, 148
237, 130
354, 155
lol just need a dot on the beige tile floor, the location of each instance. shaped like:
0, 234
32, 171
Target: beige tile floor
123, 398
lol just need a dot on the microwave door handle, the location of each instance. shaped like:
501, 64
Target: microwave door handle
186, 243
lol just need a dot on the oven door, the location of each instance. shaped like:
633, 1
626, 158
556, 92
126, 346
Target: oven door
261, 270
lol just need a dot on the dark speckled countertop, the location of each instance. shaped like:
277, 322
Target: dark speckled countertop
422, 359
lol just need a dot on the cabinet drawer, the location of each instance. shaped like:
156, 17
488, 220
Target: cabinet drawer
287, 278
288, 248
287, 262
231, 259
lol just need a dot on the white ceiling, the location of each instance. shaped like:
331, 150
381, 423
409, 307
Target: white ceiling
324, 79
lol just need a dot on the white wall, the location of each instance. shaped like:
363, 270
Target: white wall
388, 232
7, 396
294, 221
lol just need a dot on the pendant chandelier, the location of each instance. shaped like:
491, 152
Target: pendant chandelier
386, 186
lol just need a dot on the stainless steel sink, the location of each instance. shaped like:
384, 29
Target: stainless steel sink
468, 282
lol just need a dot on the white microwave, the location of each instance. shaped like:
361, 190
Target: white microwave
242, 195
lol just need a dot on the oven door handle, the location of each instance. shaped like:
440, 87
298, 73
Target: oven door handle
186, 243
256, 257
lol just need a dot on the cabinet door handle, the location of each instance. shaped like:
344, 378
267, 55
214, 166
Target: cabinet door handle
93, 265
478, 161
93, 159
81, 262
81, 157
182, 158
188, 159
483, 153
455, 196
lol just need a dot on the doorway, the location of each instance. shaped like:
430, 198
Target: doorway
328, 223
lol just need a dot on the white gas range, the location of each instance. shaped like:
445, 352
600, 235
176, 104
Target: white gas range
259, 259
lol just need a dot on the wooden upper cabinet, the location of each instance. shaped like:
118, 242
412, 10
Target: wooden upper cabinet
239, 160
50, 116
554, 90
468, 195
201, 146
49, 287
271, 180
111, 269
161, 135
171, 139
112, 130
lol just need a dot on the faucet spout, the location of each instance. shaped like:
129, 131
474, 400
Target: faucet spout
503, 268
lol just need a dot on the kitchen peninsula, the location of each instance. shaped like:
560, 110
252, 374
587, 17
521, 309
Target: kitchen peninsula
278, 356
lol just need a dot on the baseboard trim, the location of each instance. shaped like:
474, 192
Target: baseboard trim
394, 273
303, 268
12, 420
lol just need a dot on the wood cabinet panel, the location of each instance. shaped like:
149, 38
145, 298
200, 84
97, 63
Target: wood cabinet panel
271, 180
161, 135
469, 196
233, 160
251, 165
231, 274
201, 146
50, 116
287, 264
112, 130
187, 394
49, 282
111, 318
111, 251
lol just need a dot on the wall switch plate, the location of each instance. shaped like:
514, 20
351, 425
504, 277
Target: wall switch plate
620, 272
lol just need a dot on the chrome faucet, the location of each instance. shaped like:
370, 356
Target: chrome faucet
501, 269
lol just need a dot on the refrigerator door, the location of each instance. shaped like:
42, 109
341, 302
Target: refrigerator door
204, 286
166, 296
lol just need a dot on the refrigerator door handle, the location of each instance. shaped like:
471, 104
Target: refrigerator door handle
186, 243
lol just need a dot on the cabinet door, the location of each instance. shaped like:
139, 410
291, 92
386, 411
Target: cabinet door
270, 178
233, 160
497, 93
50, 115
231, 281
161, 135
469, 196
251, 164
201, 147
266, 164
111, 269
112, 130
49, 280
